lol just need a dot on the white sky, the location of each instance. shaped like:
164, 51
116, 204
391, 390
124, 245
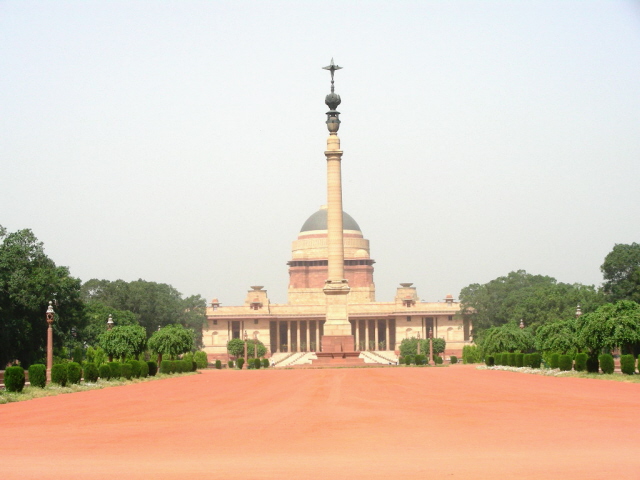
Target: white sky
182, 142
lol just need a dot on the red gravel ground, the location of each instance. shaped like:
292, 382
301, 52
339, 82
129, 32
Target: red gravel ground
366, 423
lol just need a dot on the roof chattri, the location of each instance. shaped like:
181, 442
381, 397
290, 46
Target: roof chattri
318, 221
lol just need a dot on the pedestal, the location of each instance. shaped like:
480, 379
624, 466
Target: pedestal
338, 343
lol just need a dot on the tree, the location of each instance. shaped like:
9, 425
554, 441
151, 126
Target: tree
621, 271
235, 347
560, 337
535, 299
97, 315
611, 326
409, 346
507, 338
29, 279
172, 340
124, 341
154, 304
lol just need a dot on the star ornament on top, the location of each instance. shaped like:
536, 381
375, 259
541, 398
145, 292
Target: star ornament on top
332, 67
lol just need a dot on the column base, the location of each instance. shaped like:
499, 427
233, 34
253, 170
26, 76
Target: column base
338, 343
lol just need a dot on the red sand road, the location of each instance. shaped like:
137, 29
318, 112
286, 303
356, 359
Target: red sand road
456, 422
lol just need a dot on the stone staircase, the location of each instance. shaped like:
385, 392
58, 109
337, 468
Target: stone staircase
380, 357
294, 359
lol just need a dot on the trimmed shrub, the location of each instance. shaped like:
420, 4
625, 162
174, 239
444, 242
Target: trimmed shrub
526, 360
511, 359
606, 363
165, 367
257, 363
536, 360
90, 373
410, 360
505, 359
240, 362
593, 365
153, 368
438, 360
565, 363
472, 354
519, 360
38, 375
420, 359
453, 359
14, 379
230, 364
144, 369
105, 372
490, 360
581, 362
218, 364
78, 355
116, 371
126, 370
265, 363
194, 366
135, 368
59, 374
74, 373
627, 364
201, 359
553, 361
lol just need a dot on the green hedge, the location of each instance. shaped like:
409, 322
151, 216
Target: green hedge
153, 368
126, 370
165, 367
519, 360
218, 364
74, 373
410, 360
240, 362
90, 373
38, 375
593, 365
526, 360
14, 379
265, 363
438, 360
136, 369
420, 359
230, 364
553, 361
627, 364
581, 362
606, 363
565, 363
536, 360
453, 359
472, 354
257, 363
144, 369
490, 360
201, 359
116, 370
512, 359
59, 374
105, 372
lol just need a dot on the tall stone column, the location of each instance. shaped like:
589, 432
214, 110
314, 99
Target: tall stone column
50, 318
337, 329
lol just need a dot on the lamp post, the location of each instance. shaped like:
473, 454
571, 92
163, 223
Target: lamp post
110, 323
578, 311
430, 345
255, 347
521, 323
245, 345
50, 317
418, 343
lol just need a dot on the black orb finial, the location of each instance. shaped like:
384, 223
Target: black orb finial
332, 101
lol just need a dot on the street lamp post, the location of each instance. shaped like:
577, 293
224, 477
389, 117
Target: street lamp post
110, 323
50, 317
245, 345
521, 323
418, 343
430, 345
255, 347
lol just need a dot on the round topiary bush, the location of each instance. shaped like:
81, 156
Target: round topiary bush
512, 359
90, 373
265, 363
201, 359
453, 359
218, 364
438, 359
153, 368
105, 372
116, 370
627, 364
593, 365
126, 370
553, 360
135, 368
606, 363
38, 375
59, 374
581, 362
165, 367
240, 363
257, 363
74, 373
230, 364
410, 360
490, 360
144, 369
536, 360
14, 379
565, 363
526, 360
194, 366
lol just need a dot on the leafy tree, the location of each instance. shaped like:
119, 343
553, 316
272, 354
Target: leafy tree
154, 304
409, 346
172, 340
611, 326
621, 271
29, 279
262, 350
507, 338
97, 314
124, 341
560, 336
535, 299
235, 347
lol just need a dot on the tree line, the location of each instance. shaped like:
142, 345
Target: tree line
29, 279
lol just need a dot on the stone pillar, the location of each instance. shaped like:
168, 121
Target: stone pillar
308, 336
375, 333
298, 335
366, 334
357, 322
50, 317
277, 336
318, 335
289, 336
387, 341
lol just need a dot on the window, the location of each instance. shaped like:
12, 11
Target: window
215, 322
255, 322
450, 318
408, 319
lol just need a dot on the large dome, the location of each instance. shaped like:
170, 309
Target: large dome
318, 221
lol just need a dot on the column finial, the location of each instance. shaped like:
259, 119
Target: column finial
332, 101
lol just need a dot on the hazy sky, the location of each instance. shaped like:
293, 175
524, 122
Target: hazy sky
182, 142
